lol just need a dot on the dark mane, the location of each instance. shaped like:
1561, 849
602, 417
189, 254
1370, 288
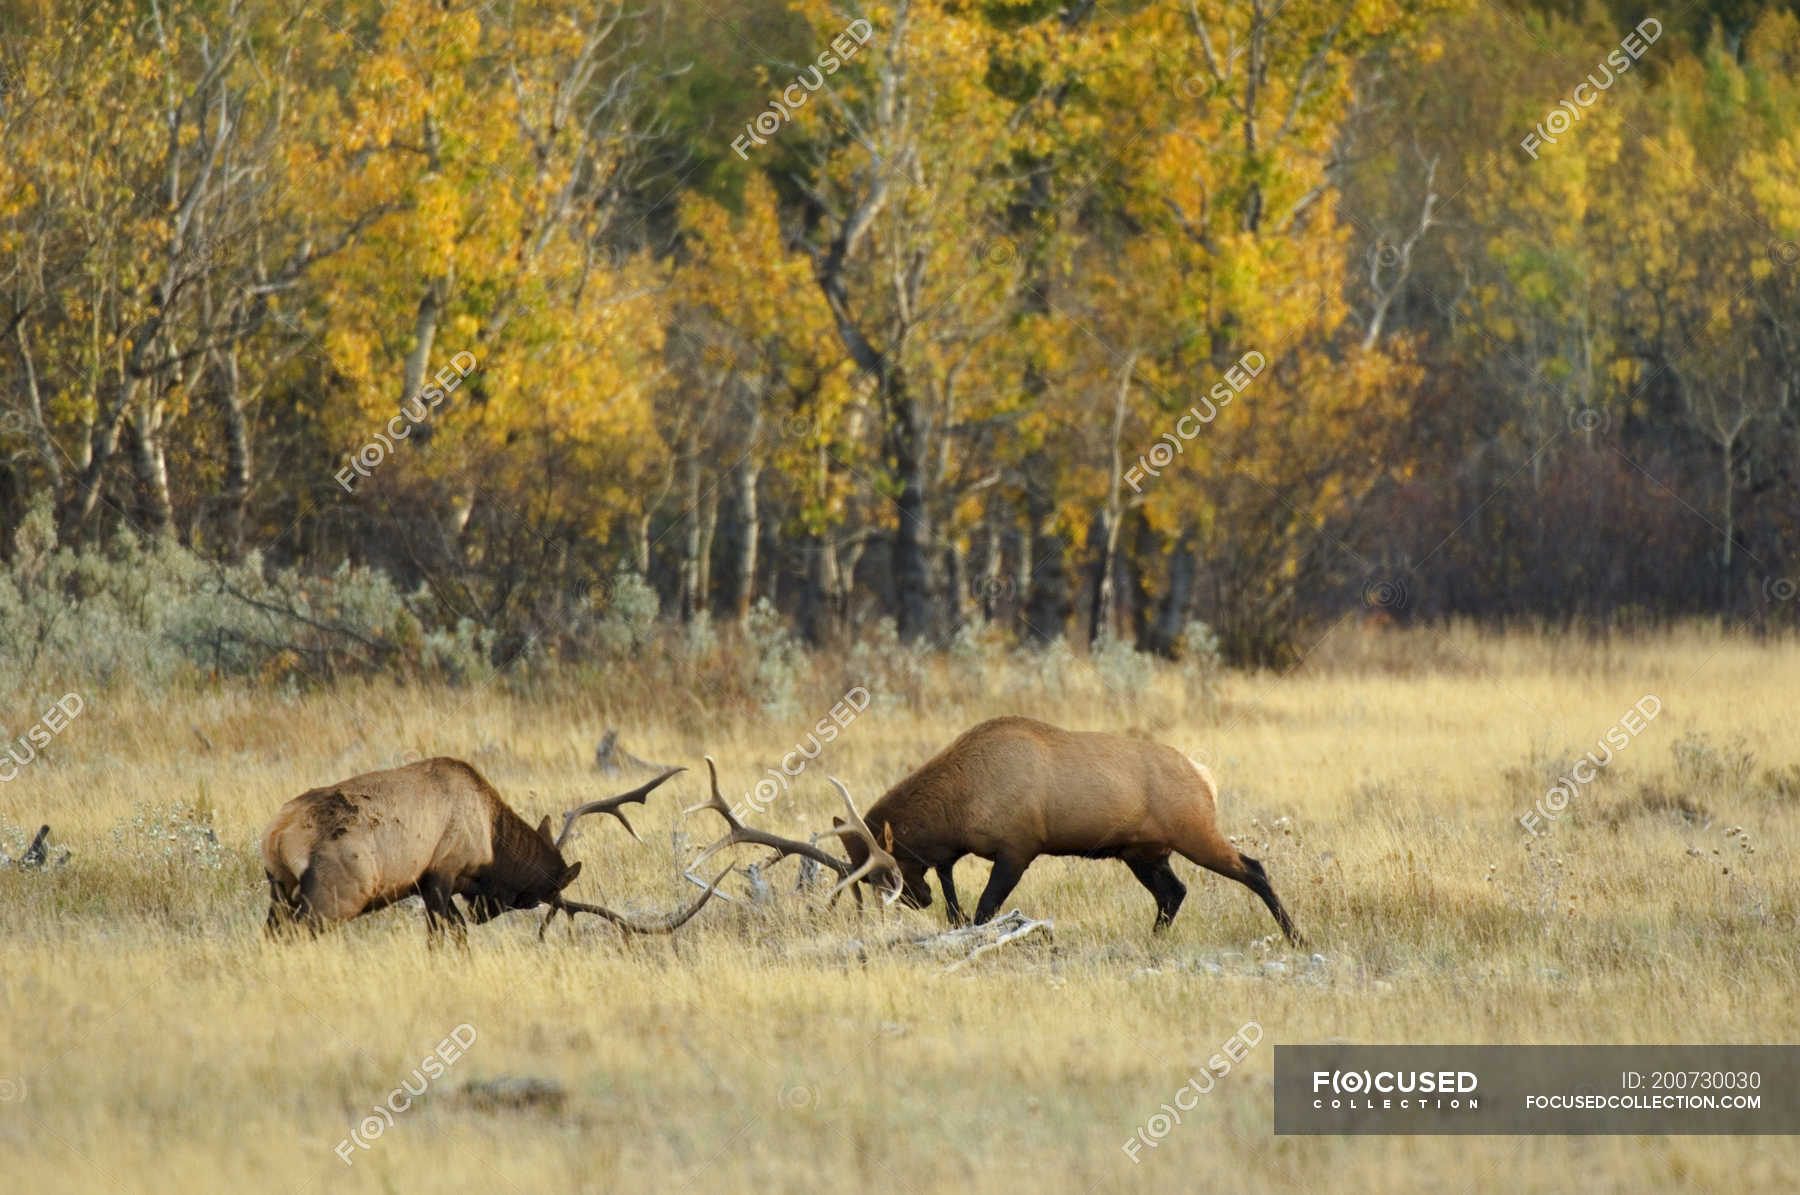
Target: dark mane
523, 847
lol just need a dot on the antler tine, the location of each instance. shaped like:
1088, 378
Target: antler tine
716, 802
874, 862
666, 923
740, 833
878, 857
611, 805
710, 851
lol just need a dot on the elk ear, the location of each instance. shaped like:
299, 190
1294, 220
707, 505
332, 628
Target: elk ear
544, 831
568, 876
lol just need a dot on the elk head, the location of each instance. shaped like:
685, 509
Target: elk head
539, 882
539, 873
913, 888
869, 861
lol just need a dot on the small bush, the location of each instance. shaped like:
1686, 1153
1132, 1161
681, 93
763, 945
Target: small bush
775, 662
1704, 767
1124, 669
630, 617
1202, 661
1047, 672
174, 836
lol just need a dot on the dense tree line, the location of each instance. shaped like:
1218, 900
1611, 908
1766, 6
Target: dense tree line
1083, 320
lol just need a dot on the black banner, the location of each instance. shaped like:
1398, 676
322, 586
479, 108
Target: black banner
1537, 1089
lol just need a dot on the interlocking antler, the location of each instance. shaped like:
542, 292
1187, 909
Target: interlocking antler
879, 856
611, 805
738, 833
665, 923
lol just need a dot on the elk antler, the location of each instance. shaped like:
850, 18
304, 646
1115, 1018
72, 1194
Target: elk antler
879, 857
848, 874
611, 805
666, 923
740, 833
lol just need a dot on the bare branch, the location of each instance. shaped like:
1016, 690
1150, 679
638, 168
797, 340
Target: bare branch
611, 758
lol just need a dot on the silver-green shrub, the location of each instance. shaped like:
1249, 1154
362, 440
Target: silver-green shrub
150, 611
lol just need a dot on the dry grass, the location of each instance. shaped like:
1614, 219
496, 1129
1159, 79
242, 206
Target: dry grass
161, 1044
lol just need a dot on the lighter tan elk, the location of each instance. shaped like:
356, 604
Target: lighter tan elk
1012, 789
435, 828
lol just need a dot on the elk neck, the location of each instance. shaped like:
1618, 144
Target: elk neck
520, 852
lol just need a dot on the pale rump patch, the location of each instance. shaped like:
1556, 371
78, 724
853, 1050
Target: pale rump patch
1206, 779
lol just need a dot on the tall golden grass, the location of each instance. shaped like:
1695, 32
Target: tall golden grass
151, 1039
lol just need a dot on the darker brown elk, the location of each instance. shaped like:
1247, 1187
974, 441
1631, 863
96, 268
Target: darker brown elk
436, 829
1012, 789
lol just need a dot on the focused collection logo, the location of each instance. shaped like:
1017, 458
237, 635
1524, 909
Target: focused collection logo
1388, 1090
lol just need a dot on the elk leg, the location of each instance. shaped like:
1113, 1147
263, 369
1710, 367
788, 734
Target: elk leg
328, 895
1250, 874
1257, 880
947, 882
440, 910
1204, 846
283, 912
281, 921
1164, 885
286, 919
1001, 881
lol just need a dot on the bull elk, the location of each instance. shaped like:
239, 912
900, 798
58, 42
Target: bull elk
438, 829
1012, 789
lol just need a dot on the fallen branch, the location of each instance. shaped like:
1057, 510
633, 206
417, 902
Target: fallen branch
611, 758
959, 947
37, 855
990, 935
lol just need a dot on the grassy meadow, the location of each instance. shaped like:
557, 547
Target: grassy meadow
152, 1040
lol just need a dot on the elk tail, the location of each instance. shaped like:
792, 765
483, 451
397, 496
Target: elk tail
1207, 782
